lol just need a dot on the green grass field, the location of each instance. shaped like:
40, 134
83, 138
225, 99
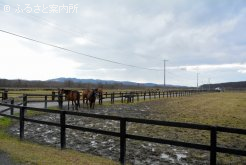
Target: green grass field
223, 109
227, 109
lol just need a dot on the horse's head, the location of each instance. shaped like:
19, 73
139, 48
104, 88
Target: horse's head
60, 91
94, 92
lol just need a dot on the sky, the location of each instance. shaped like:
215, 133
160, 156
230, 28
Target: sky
205, 38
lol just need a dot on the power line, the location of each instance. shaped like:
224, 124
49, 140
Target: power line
69, 50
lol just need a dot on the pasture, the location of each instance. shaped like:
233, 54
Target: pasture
226, 109
218, 109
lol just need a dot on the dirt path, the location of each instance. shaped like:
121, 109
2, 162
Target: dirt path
36, 105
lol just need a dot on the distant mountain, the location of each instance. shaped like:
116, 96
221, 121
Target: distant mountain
97, 81
227, 85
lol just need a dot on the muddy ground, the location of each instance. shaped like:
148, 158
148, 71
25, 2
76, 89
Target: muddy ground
138, 152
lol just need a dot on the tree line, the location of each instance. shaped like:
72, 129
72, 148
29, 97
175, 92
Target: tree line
5, 83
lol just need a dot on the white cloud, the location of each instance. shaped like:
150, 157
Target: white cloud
242, 71
104, 70
19, 61
206, 68
83, 41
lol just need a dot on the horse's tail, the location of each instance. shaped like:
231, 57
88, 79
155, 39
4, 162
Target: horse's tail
78, 98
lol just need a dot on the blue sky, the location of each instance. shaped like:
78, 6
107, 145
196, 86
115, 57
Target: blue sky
207, 37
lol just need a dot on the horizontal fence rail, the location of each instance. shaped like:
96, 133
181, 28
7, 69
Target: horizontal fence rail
123, 135
127, 97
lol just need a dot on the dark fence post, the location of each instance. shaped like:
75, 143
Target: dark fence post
12, 108
24, 102
150, 95
45, 101
144, 95
137, 96
100, 98
121, 95
60, 101
63, 129
122, 140
213, 141
53, 95
22, 117
113, 97
5, 95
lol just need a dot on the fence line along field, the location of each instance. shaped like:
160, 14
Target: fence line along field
122, 96
225, 112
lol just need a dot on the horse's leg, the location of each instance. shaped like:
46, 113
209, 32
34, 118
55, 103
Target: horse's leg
85, 101
76, 104
90, 104
79, 101
73, 104
94, 102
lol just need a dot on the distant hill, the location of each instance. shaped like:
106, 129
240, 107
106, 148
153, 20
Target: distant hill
77, 83
227, 85
97, 81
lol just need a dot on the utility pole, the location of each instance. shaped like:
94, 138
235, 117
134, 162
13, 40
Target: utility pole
164, 67
197, 77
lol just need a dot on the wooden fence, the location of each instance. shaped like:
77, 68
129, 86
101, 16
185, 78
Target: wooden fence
123, 135
127, 97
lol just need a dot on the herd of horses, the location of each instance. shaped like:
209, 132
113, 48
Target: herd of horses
88, 96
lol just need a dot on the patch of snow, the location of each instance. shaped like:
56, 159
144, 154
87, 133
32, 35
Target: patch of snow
180, 156
167, 157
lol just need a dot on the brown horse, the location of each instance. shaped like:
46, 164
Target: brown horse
92, 98
85, 96
90, 95
71, 95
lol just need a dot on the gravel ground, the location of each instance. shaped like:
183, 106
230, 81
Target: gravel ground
137, 152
